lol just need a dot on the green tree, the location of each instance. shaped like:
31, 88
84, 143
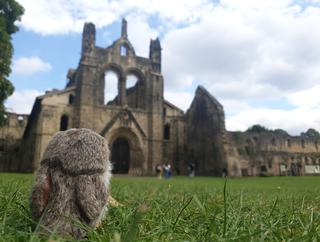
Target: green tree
281, 132
10, 12
257, 128
311, 133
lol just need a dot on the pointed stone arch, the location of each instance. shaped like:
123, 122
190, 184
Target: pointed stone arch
120, 97
136, 94
136, 160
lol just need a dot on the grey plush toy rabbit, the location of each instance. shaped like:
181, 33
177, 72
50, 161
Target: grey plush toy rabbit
71, 184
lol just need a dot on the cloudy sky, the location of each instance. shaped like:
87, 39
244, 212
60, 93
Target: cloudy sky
259, 58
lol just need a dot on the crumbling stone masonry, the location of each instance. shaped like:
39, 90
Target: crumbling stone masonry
142, 128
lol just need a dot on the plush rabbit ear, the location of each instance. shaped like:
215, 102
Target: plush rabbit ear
78, 151
40, 192
92, 198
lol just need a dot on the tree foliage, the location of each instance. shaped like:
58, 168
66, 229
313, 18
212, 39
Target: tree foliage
10, 12
311, 133
281, 132
257, 128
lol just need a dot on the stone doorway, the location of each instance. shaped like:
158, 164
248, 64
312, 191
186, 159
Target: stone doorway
126, 152
120, 156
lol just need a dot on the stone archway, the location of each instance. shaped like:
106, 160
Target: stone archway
120, 155
126, 152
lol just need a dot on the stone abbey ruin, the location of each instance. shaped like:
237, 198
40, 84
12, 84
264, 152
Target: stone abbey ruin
142, 128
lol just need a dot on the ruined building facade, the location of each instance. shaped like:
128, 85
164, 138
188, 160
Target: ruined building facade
142, 128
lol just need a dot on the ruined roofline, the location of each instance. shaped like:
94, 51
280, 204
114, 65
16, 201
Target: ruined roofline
202, 89
173, 106
89, 29
56, 91
16, 114
272, 134
32, 117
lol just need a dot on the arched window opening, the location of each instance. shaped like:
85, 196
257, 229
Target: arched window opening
166, 132
244, 172
289, 143
247, 149
273, 141
120, 155
131, 80
263, 170
20, 119
302, 143
110, 86
164, 112
71, 99
123, 50
64, 122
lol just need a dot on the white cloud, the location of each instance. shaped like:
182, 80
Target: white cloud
30, 65
240, 50
305, 115
295, 121
243, 42
22, 101
308, 98
140, 33
61, 17
180, 99
234, 106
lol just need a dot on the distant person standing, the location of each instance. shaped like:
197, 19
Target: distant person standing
159, 171
224, 172
191, 169
167, 170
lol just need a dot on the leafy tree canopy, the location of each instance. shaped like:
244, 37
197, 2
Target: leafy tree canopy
10, 12
281, 132
257, 128
311, 133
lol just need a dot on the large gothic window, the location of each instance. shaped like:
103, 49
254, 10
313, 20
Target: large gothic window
64, 122
131, 80
71, 99
166, 131
110, 86
123, 50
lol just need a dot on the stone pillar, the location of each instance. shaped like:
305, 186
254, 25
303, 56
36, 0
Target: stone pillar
122, 91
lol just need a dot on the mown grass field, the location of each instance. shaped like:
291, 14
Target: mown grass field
180, 209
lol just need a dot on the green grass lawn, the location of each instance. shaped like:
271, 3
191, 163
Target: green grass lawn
180, 209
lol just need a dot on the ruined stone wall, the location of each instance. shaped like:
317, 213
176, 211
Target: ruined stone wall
14, 126
142, 104
205, 135
10, 140
269, 153
135, 114
173, 137
44, 122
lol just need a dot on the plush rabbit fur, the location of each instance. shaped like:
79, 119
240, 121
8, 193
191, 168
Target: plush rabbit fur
71, 184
